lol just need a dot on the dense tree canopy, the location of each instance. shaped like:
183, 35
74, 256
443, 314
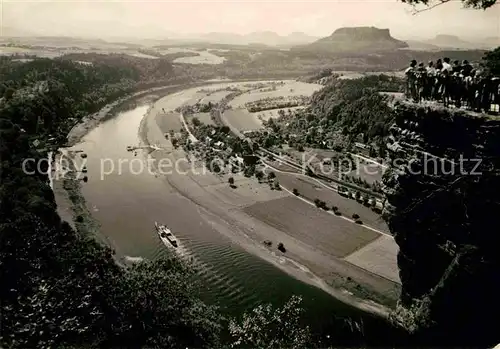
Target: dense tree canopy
354, 108
269, 328
492, 61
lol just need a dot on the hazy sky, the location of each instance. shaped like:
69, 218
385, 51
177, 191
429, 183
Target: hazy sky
320, 18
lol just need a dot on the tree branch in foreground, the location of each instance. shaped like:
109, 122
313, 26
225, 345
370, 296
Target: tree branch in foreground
475, 4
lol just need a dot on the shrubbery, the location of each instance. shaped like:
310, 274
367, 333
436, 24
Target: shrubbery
321, 204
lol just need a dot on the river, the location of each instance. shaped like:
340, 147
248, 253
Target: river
127, 202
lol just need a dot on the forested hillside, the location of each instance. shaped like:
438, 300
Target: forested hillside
357, 106
141, 70
342, 112
62, 83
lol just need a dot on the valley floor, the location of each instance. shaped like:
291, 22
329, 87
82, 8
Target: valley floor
355, 263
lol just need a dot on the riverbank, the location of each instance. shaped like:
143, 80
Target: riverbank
71, 204
91, 121
303, 262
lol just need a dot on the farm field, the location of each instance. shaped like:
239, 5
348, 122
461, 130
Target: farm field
172, 101
215, 97
204, 57
165, 105
195, 98
247, 191
290, 88
174, 50
311, 190
378, 257
221, 87
141, 55
169, 121
273, 113
13, 50
330, 234
203, 117
242, 120
251, 86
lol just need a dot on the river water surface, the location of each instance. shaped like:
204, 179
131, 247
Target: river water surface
126, 204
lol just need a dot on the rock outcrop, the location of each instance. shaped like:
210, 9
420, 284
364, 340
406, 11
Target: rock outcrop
358, 39
443, 193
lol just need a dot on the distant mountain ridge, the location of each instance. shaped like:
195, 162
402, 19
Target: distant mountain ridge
260, 37
452, 41
342, 40
421, 46
357, 39
268, 38
446, 41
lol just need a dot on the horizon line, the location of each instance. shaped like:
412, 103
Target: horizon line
196, 35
